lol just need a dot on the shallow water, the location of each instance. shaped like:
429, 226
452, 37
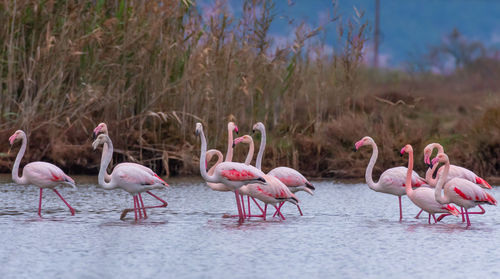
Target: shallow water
346, 231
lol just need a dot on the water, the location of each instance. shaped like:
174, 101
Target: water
347, 231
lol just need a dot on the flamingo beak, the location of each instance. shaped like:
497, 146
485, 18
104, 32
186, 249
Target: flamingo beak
95, 133
402, 152
197, 133
236, 129
253, 131
12, 139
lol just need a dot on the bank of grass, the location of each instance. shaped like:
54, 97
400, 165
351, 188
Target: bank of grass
152, 70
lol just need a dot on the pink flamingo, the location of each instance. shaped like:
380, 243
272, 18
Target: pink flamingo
391, 181
129, 177
271, 193
455, 171
293, 179
41, 174
233, 175
102, 128
459, 191
424, 197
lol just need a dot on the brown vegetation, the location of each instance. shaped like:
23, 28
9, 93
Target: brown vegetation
150, 70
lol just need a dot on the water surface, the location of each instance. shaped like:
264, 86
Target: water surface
347, 231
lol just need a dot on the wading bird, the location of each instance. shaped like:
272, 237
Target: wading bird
130, 178
391, 181
40, 174
233, 175
293, 179
424, 197
459, 191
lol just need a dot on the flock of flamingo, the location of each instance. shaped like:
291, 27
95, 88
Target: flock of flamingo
462, 187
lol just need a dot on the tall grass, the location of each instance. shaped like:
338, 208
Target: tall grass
151, 69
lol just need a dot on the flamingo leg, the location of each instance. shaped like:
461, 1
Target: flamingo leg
429, 221
279, 207
420, 212
434, 216
400, 209
135, 207
468, 221
240, 212
279, 212
127, 210
40, 204
257, 204
139, 206
248, 202
463, 215
67, 204
142, 205
265, 212
480, 212
300, 211
243, 206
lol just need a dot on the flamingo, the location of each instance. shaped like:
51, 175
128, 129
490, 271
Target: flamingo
391, 181
129, 177
424, 197
40, 174
233, 175
293, 179
102, 128
271, 193
459, 191
455, 171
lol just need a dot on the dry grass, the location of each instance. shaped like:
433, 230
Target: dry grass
150, 71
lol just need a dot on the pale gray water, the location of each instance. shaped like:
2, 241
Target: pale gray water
347, 231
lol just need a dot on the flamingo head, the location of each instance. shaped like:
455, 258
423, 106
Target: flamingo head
244, 139
199, 129
364, 141
232, 127
258, 126
428, 152
17, 134
101, 139
440, 158
407, 149
101, 128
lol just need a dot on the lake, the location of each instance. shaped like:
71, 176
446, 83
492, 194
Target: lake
347, 231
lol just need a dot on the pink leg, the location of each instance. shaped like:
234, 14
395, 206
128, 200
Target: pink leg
67, 204
40, 204
248, 202
135, 207
420, 212
243, 206
480, 212
143, 208
139, 206
240, 212
467, 215
165, 204
434, 216
429, 221
279, 207
265, 212
400, 210
300, 211
463, 215
258, 206
279, 212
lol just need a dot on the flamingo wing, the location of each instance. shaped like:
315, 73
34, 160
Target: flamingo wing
239, 172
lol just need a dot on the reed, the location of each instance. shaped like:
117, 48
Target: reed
151, 69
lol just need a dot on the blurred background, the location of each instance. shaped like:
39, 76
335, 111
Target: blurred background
319, 74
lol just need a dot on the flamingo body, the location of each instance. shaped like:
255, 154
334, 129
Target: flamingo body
293, 179
466, 194
392, 181
46, 175
273, 192
424, 197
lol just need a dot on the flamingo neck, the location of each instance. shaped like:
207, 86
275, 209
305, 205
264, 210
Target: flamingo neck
203, 157
251, 149
428, 176
258, 163
15, 169
369, 168
229, 152
439, 186
409, 173
105, 160
219, 160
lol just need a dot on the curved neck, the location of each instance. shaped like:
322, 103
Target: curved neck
107, 154
15, 169
251, 148
258, 163
429, 175
203, 157
369, 168
442, 178
219, 160
409, 173
229, 152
